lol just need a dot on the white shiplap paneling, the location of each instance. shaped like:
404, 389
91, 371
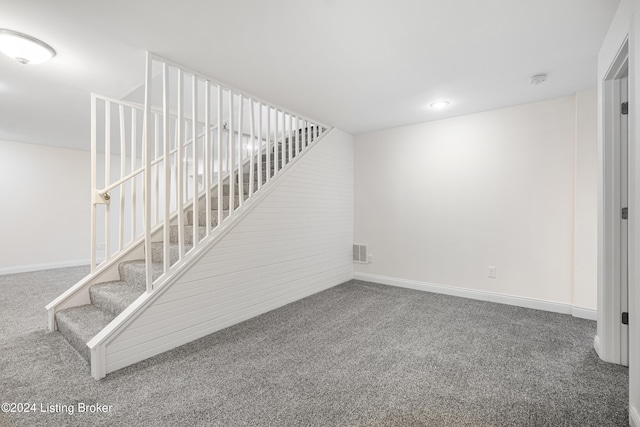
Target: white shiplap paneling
296, 242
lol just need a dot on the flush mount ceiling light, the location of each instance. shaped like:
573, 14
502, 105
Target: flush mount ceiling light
439, 105
538, 79
24, 48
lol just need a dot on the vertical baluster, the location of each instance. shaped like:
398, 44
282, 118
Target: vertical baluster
188, 158
268, 150
194, 134
220, 183
180, 165
294, 136
275, 144
123, 170
290, 137
298, 136
94, 165
285, 149
175, 148
232, 157
240, 154
286, 143
167, 168
134, 154
107, 177
157, 167
251, 146
207, 154
147, 173
259, 152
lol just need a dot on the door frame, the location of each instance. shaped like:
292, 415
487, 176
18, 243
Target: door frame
608, 340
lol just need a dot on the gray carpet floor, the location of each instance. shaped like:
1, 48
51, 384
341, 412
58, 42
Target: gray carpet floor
357, 354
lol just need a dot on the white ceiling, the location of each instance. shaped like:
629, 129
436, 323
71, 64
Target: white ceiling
359, 65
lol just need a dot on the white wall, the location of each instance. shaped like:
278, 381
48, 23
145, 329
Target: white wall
49, 225
439, 202
295, 242
585, 254
44, 219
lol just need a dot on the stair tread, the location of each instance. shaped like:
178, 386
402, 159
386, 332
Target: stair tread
157, 251
114, 296
80, 324
188, 235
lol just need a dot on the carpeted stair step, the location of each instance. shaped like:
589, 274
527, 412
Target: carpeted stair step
225, 189
114, 297
202, 217
134, 273
79, 324
246, 178
188, 233
157, 252
225, 201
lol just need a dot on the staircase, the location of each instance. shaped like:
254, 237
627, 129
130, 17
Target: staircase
78, 325
172, 181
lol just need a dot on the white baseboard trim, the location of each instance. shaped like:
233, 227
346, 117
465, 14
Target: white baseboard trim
536, 304
584, 313
596, 347
634, 416
45, 266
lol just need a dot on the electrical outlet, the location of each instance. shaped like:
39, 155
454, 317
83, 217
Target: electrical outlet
100, 247
370, 258
492, 272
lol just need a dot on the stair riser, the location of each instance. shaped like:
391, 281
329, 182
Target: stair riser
79, 324
157, 252
135, 274
188, 234
225, 202
79, 345
105, 303
246, 178
225, 188
202, 218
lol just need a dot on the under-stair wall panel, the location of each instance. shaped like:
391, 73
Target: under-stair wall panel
297, 241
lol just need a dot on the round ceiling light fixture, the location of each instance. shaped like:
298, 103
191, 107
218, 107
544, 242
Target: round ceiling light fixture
538, 79
439, 105
23, 48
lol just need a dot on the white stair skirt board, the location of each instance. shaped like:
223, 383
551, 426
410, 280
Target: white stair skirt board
555, 307
634, 417
45, 266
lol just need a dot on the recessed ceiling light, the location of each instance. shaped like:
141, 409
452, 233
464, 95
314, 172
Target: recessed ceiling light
24, 48
439, 105
538, 79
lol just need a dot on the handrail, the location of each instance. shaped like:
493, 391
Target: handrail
141, 169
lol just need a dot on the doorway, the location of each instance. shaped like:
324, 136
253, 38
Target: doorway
613, 302
623, 83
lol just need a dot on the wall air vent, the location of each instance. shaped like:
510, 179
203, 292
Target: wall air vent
360, 253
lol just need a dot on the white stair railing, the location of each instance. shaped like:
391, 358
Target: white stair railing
117, 175
193, 138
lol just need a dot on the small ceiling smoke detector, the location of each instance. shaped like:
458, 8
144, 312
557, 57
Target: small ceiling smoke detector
538, 79
24, 48
439, 105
